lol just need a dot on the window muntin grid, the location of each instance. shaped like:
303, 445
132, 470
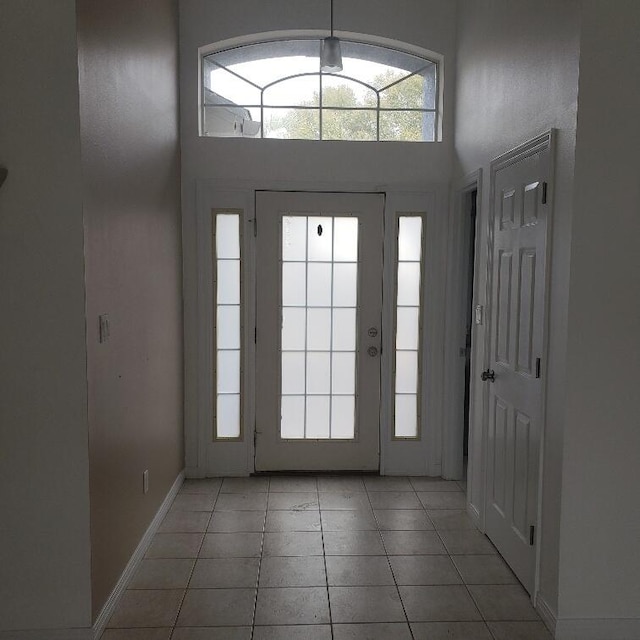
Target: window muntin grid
407, 374
227, 325
259, 91
319, 267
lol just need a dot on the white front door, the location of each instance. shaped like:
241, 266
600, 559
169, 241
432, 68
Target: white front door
318, 308
515, 396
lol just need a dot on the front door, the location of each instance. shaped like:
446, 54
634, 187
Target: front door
318, 308
514, 375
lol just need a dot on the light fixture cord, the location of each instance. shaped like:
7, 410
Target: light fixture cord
332, 18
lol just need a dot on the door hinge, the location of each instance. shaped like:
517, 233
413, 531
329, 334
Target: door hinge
538, 364
532, 535
544, 193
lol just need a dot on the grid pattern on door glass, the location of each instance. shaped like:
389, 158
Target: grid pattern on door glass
227, 324
407, 343
318, 339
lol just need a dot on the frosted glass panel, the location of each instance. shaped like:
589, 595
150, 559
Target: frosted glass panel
345, 285
292, 372
293, 284
406, 418
343, 373
292, 417
318, 376
319, 233
319, 285
227, 235
318, 417
319, 316
228, 329
228, 372
228, 282
409, 283
319, 329
407, 328
343, 417
294, 238
228, 416
410, 238
406, 372
345, 240
344, 329
293, 329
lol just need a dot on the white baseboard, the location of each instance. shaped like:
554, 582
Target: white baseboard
110, 605
547, 614
48, 634
598, 629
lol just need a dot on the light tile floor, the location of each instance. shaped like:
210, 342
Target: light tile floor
305, 558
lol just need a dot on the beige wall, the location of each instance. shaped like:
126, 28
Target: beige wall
600, 537
517, 76
44, 496
130, 161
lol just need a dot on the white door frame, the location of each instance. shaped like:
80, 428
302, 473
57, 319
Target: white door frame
237, 458
529, 148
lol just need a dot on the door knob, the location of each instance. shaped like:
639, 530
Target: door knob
372, 351
489, 374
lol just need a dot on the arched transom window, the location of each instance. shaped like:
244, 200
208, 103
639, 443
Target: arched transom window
276, 90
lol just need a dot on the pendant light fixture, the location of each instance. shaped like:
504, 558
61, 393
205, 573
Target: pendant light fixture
330, 54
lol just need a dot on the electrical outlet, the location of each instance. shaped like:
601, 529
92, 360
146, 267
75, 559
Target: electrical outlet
145, 481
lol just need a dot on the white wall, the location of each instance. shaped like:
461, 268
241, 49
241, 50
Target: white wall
600, 537
428, 24
44, 484
517, 74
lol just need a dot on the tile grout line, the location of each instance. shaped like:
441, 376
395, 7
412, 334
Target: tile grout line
264, 528
384, 546
324, 560
193, 568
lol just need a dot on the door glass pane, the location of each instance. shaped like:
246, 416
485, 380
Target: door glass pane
228, 327
343, 366
318, 417
318, 373
293, 329
409, 283
228, 416
342, 417
345, 285
294, 238
319, 297
410, 238
319, 285
320, 238
228, 282
406, 417
407, 328
228, 236
406, 372
294, 284
292, 417
319, 329
228, 371
292, 372
344, 329
345, 240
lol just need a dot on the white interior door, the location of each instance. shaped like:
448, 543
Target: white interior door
318, 315
515, 396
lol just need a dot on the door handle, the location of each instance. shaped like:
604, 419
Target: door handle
372, 351
489, 374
